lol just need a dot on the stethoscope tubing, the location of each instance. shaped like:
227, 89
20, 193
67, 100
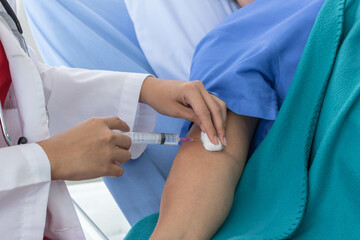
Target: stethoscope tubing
4, 129
12, 14
5, 132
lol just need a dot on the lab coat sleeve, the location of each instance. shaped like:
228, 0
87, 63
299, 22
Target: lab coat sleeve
75, 95
24, 191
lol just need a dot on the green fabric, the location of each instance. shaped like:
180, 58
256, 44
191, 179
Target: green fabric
307, 185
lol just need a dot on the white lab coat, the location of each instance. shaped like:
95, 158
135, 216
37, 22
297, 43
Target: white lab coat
32, 205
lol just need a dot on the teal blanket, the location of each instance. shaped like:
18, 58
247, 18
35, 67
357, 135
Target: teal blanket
303, 182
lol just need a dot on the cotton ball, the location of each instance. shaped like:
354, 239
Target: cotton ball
208, 145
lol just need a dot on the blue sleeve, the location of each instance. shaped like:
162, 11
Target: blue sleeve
242, 75
250, 59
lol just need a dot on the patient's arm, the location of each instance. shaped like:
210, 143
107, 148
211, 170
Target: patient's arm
199, 191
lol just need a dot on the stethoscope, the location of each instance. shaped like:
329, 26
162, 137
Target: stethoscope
10, 12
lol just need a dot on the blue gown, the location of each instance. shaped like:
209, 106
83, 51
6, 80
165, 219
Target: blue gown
250, 59
100, 35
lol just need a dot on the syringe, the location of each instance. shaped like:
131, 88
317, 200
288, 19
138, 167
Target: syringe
156, 138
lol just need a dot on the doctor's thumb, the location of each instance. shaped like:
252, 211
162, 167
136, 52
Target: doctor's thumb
116, 123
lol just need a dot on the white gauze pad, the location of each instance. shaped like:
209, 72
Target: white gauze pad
208, 145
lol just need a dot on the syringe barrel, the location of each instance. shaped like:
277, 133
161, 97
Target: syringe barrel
153, 138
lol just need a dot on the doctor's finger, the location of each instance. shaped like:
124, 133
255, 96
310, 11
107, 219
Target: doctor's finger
186, 113
204, 116
216, 112
116, 170
221, 109
216, 115
189, 114
116, 123
122, 141
121, 156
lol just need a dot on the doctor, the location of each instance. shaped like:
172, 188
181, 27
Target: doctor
38, 101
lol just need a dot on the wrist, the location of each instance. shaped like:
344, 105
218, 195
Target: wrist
146, 89
46, 146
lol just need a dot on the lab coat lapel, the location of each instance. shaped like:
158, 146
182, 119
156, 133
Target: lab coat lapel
28, 87
61, 221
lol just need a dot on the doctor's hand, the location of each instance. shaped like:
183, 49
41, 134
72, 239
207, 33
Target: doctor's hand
188, 100
89, 150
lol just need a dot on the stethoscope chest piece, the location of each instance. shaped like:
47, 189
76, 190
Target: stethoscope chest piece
22, 140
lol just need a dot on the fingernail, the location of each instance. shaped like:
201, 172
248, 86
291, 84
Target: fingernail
216, 140
224, 141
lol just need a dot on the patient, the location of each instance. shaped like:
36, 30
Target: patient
249, 62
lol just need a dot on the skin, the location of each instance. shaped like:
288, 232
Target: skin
200, 180
243, 3
91, 149
188, 100
88, 150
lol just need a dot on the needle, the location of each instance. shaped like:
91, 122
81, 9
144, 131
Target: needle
186, 139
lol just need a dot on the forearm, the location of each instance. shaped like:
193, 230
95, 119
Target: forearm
199, 191
197, 197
